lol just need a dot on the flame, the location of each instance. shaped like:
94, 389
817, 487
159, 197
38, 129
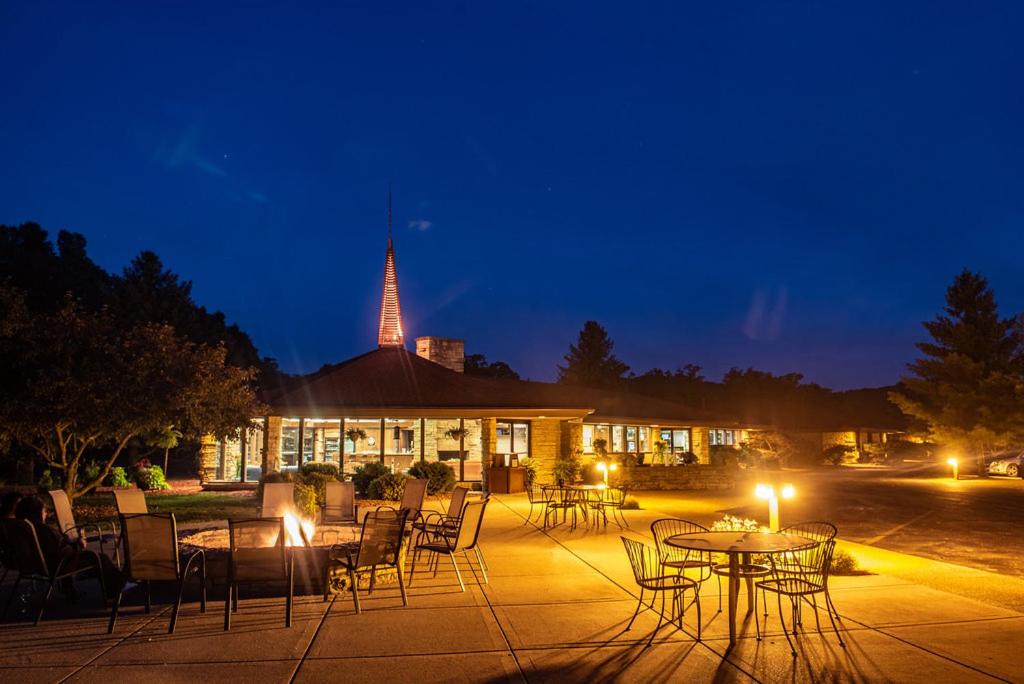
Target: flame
298, 531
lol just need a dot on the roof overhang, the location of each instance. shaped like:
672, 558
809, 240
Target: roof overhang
335, 412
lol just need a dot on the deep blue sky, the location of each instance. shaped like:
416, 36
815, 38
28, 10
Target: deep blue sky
789, 186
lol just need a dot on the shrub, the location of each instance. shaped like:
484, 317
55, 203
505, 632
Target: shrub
151, 478
630, 504
320, 469
117, 478
47, 481
838, 453
531, 469
305, 500
365, 474
90, 472
731, 523
388, 487
439, 476
271, 477
317, 481
723, 456
687, 458
844, 563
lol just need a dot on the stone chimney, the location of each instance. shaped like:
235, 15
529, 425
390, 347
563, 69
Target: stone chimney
448, 352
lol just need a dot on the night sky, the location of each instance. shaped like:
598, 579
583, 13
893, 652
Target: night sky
789, 186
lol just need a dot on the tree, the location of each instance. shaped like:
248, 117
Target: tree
968, 387
590, 361
78, 387
477, 364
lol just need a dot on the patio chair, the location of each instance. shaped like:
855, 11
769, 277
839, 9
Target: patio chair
649, 574
278, 499
339, 503
380, 545
811, 581
67, 526
412, 498
434, 523
257, 553
613, 498
27, 557
465, 539
798, 563
682, 560
130, 501
562, 499
151, 555
535, 495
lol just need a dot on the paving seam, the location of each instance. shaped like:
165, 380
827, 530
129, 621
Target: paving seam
110, 648
583, 560
504, 636
312, 639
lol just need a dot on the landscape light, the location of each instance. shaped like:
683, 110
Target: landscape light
767, 491
955, 464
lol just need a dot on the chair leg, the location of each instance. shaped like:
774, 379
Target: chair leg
719, 578
202, 589
757, 622
113, 612
412, 567
483, 565
831, 606
636, 612
234, 598
834, 627
700, 621
401, 586
661, 617
177, 606
14, 592
817, 621
46, 599
480, 556
354, 581
227, 606
782, 621
457, 573
289, 601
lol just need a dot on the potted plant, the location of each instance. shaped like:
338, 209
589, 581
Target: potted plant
354, 435
660, 450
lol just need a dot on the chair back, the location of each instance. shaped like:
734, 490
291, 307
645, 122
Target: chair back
469, 525
458, 501
643, 560
278, 499
615, 496
381, 540
62, 509
340, 500
130, 501
535, 494
412, 497
25, 553
816, 530
664, 528
150, 546
814, 564
257, 549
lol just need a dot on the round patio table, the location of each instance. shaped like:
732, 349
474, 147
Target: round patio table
736, 544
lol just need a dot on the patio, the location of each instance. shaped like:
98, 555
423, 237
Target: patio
555, 610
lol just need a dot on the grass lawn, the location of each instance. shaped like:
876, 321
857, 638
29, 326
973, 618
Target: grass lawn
186, 507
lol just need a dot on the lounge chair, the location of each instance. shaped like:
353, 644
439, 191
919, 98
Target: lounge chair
151, 555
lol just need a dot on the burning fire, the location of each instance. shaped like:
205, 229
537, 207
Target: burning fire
298, 531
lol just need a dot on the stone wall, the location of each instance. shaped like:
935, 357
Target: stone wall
697, 477
444, 351
545, 445
272, 461
207, 459
700, 445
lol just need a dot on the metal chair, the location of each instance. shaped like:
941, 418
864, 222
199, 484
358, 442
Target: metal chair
535, 495
798, 563
435, 523
811, 581
562, 499
613, 498
258, 554
380, 544
27, 557
67, 526
465, 539
130, 501
682, 560
648, 573
151, 555
412, 498
339, 503
278, 499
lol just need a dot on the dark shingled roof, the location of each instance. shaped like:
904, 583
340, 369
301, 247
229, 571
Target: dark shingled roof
394, 378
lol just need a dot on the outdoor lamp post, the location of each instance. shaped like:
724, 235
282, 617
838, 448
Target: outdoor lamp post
955, 464
604, 469
767, 491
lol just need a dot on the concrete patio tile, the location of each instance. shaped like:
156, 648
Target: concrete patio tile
683, 661
994, 646
912, 604
208, 673
869, 656
407, 631
524, 589
257, 634
495, 667
62, 642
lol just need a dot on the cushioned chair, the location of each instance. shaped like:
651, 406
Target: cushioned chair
258, 553
151, 555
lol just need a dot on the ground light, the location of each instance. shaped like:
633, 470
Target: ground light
955, 465
604, 468
767, 491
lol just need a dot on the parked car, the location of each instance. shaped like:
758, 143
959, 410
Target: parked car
1007, 464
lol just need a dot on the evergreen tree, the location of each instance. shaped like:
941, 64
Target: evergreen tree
477, 364
590, 361
967, 390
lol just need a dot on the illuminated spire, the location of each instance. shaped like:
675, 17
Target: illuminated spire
390, 334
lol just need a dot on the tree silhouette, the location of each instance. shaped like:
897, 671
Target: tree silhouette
590, 361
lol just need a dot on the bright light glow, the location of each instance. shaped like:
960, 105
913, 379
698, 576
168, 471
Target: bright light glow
613, 467
297, 531
602, 467
952, 461
788, 492
763, 491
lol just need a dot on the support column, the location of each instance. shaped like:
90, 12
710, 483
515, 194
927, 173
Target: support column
700, 444
341, 449
272, 437
243, 441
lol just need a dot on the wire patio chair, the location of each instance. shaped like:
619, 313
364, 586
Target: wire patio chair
799, 563
151, 555
380, 545
648, 572
535, 495
682, 560
466, 539
257, 553
613, 498
811, 581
